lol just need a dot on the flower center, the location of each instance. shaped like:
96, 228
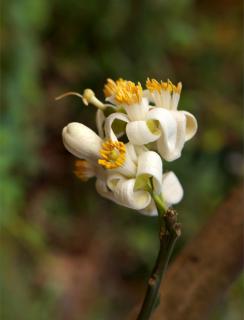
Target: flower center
113, 154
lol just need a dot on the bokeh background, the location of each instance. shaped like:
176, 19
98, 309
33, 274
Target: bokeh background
66, 253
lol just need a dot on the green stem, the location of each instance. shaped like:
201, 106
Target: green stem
169, 231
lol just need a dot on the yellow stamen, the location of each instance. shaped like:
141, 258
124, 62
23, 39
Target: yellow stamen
113, 154
111, 87
154, 85
168, 86
125, 92
83, 170
178, 88
129, 93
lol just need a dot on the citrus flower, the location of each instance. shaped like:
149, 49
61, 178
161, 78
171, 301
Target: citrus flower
126, 174
131, 174
160, 123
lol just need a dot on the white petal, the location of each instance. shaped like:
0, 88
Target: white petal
191, 125
175, 100
186, 129
157, 98
137, 111
125, 194
150, 164
128, 169
138, 133
111, 99
109, 122
172, 191
100, 118
150, 210
130, 148
165, 98
181, 134
113, 179
81, 141
140, 149
167, 143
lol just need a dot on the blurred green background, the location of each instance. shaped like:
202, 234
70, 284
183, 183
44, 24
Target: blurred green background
66, 253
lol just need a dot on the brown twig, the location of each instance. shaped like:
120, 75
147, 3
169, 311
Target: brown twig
169, 231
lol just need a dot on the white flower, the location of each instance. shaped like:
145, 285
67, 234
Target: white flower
133, 192
162, 123
124, 172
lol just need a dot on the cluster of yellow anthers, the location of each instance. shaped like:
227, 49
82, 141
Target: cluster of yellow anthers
126, 92
113, 154
111, 86
154, 85
83, 170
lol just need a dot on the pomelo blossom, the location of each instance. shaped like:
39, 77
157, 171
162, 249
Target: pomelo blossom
160, 123
126, 174
131, 174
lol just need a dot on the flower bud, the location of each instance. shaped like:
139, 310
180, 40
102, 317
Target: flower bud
81, 141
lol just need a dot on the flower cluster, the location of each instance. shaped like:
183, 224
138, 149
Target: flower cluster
137, 130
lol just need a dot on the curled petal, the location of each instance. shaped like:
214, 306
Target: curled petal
81, 141
125, 194
150, 210
168, 145
103, 190
138, 133
186, 129
191, 125
180, 135
150, 165
113, 180
109, 123
172, 191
